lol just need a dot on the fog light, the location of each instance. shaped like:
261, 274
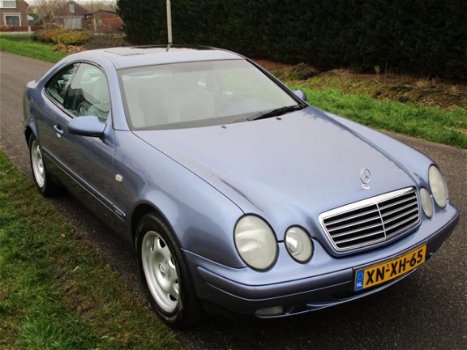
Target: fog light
270, 311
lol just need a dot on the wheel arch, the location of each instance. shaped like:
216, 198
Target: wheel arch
141, 210
188, 310
30, 128
27, 133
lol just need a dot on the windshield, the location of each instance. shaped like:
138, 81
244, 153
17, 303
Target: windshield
194, 94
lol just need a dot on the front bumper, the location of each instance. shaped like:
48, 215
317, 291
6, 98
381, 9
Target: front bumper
294, 289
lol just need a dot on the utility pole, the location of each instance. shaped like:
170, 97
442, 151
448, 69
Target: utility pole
169, 24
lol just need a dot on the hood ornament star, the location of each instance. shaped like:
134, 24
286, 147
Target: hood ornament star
365, 177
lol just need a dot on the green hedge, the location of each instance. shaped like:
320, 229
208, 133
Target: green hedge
423, 37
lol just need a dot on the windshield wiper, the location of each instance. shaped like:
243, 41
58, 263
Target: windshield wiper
277, 112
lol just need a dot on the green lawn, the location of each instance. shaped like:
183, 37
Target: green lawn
56, 292
22, 45
430, 123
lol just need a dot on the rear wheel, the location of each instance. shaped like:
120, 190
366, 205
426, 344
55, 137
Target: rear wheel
164, 274
44, 183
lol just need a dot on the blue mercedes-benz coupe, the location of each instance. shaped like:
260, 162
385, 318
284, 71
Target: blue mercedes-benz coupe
233, 191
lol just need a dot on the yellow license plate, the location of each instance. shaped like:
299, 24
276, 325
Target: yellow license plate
386, 271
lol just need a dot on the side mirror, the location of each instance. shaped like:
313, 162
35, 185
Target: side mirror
300, 94
86, 126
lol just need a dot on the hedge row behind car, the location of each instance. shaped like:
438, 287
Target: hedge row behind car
423, 37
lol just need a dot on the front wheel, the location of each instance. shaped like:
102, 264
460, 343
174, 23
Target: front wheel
165, 277
44, 183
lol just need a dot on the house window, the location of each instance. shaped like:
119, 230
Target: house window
8, 4
11, 20
71, 8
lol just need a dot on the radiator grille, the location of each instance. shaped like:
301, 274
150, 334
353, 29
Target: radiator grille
371, 221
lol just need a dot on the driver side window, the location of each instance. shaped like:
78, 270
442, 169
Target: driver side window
92, 92
81, 90
57, 86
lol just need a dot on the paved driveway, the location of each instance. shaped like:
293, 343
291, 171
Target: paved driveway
427, 310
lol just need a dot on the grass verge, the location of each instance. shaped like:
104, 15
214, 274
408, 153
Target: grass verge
433, 124
409, 90
55, 291
24, 46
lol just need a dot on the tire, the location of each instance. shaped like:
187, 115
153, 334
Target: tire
164, 274
44, 183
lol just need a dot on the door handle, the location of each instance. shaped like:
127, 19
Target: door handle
58, 129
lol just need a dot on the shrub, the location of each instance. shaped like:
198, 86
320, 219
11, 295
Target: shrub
64, 36
73, 37
46, 35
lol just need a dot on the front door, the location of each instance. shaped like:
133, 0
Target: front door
86, 163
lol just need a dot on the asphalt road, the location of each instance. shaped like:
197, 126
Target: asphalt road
427, 310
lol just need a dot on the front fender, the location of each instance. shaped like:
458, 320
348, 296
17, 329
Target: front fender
201, 217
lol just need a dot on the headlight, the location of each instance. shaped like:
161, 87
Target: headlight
438, 186
298, 244
427, 204
255, 242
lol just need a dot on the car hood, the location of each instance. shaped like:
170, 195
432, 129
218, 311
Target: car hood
286, 169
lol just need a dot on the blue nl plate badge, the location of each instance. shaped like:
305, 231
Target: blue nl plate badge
359, 280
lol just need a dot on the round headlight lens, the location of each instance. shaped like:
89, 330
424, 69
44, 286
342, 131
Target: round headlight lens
427, 204
255, 242
298, 244
438, 186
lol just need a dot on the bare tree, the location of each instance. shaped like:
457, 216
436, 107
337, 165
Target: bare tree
46, 10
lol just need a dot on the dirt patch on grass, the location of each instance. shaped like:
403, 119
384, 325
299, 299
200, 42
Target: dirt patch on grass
403, 88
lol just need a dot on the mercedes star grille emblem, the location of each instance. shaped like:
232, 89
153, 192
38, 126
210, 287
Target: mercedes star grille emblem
365, 177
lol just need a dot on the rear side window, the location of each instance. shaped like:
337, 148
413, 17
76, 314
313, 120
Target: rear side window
81, 90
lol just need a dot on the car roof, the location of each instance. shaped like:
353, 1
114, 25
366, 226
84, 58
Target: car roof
128, 57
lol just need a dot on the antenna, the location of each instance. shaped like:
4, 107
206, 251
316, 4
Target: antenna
169, 25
